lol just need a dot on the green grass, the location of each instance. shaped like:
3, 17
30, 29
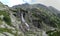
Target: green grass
53, 33
4, 13
5, 30
0, 22
6, 17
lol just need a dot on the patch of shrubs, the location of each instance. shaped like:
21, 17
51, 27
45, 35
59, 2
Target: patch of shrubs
53, 33
7, 20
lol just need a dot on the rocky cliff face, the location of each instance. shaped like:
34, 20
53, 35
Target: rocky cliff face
28, 20
9, 24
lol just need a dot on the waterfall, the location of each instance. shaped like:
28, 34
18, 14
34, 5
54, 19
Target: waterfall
23, 20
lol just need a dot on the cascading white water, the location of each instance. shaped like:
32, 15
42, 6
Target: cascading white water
23, 20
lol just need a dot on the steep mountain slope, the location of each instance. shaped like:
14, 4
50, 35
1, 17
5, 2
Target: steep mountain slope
40, 11
28, 20
40, 16
55, 11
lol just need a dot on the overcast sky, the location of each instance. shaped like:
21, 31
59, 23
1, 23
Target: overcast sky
54, 3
